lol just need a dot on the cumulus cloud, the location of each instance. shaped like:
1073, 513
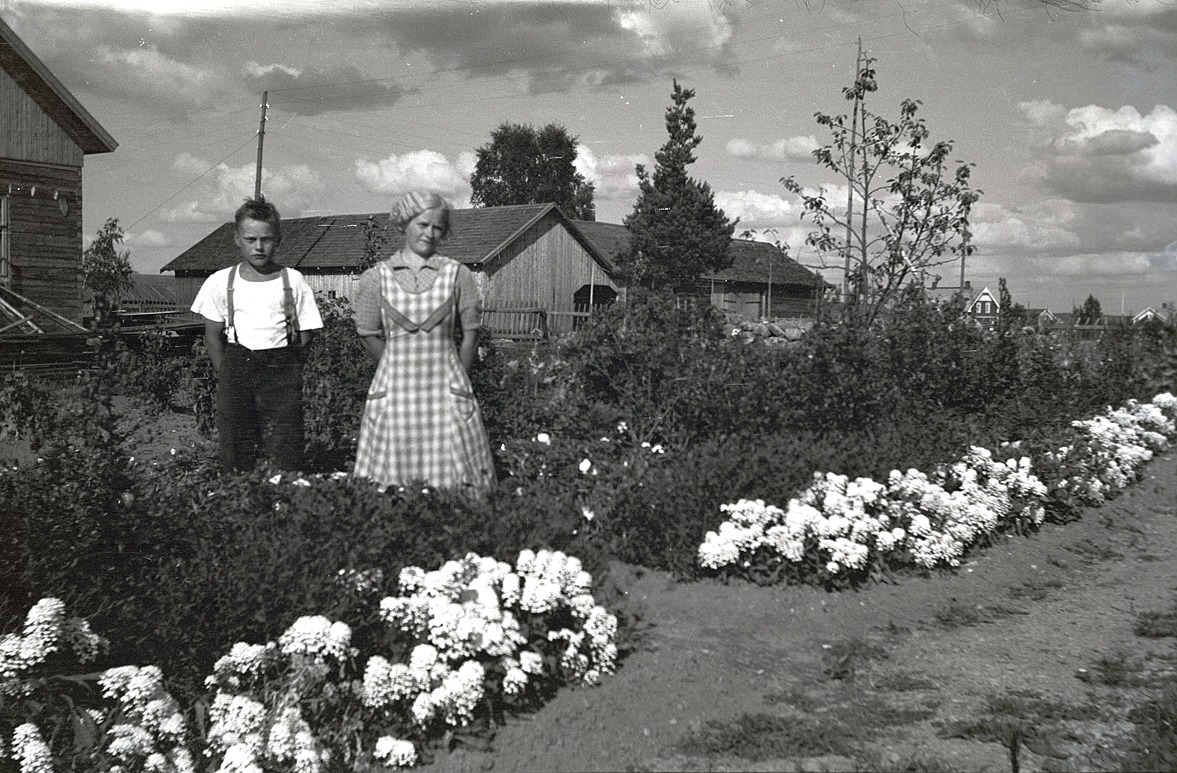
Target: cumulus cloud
613, 176
417, 170
1097, 154
798, 148
290, 187
756, 210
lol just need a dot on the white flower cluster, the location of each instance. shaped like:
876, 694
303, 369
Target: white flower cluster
150, 724
255, 725
936, 517
46, 630
318, 638
467, 613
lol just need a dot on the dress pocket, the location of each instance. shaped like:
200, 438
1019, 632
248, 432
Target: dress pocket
464, 402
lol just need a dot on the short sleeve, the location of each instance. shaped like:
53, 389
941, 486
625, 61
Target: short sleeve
367, 304
210, 300
308, 310
469, 303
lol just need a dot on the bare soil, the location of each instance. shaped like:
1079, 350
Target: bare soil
1025, 619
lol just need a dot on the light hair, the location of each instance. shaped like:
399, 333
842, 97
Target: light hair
414, 203
259, 209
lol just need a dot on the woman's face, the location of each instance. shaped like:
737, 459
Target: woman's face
425, 230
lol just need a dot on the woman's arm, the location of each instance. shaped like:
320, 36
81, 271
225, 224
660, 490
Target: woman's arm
468, 349
375, 345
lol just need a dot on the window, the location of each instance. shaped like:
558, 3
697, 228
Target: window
5, 248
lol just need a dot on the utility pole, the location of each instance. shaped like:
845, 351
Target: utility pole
261, 137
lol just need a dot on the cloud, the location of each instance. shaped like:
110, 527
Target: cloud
613, 175
148, 238
756, 210
558, 45
418, 170
1142, 34
320, 90
1096, 154
1047, 226
798, 148
290, 187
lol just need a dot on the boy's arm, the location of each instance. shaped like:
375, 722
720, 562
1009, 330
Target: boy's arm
214, 341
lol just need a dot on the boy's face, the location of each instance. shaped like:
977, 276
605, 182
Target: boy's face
257, 242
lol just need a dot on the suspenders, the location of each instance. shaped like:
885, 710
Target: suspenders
288, 308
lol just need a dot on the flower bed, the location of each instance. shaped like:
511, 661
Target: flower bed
464, 643
839, 530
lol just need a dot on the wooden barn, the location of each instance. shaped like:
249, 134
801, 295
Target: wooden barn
45, 135
536, 271
761, 283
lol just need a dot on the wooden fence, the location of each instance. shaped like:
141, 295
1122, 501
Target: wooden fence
530, 323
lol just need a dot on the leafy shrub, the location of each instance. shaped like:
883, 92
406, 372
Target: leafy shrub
150, 367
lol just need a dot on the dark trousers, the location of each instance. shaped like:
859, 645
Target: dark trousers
259, 404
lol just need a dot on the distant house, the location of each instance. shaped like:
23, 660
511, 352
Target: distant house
1149, 315
533, 265
985, 309
45, 135
762, 281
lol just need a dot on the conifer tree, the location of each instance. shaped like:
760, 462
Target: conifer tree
677, 234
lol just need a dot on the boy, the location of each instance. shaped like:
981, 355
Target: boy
258, 317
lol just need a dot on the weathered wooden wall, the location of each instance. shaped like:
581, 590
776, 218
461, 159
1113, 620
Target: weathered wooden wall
45, 237
543, 268
27, 133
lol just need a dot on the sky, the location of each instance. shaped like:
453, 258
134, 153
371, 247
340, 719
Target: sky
1066, 108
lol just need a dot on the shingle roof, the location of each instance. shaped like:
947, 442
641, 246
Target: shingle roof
54, 98
476, 236
750, 260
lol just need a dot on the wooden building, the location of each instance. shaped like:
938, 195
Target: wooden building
761, 283
536, 271
45, 135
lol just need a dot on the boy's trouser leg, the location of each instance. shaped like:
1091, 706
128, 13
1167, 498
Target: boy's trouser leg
238, 430
279, 406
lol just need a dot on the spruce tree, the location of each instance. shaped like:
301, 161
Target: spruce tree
677, 234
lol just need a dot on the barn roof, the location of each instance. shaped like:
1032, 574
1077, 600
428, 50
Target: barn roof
48, 92
751, 260
478, 235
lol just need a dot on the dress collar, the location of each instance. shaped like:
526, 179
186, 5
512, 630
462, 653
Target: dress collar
398, 259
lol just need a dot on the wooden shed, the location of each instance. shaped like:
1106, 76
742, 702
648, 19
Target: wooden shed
762, 281
534, 268
45, 135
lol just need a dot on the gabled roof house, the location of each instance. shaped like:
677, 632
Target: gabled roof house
45, 135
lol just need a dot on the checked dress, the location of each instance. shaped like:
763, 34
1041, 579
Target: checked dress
421, 423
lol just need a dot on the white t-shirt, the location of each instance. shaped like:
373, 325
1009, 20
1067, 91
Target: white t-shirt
258, 317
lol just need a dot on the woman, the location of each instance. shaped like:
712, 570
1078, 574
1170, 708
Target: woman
421, 423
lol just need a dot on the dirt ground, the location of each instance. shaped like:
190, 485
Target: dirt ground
1027, 616
1023, 617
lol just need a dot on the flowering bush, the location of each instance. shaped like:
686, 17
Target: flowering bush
120, 719
841, 530
465, 642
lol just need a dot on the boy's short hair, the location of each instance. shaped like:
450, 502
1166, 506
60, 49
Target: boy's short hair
414, 203
259, 209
